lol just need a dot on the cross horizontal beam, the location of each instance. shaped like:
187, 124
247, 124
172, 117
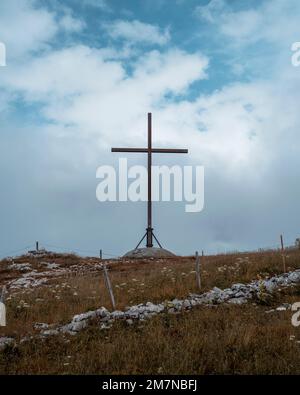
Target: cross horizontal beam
153, 150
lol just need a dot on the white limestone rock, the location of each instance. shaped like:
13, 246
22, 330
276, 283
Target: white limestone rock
6, 341
104, 326
40, 325
132, 313
50, 332
154, 308
102, 312
281, 308
84, 316
22, 267
238, 301
294, 276
237, 294
77, 326
117, 314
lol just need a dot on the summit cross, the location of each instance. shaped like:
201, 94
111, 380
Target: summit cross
149, 151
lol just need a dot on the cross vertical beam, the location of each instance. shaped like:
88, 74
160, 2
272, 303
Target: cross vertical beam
149, 203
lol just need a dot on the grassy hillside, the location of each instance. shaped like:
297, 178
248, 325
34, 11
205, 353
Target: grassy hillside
205, 340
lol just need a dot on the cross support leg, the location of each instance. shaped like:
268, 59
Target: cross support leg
156, 240
141, 241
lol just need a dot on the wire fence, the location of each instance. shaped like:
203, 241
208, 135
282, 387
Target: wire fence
114, 255
82, 251
59, 248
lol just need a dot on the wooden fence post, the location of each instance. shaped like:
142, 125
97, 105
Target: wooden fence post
198, 277
283, 254
109, 287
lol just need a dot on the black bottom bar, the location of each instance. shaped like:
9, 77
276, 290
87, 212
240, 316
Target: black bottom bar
90, 385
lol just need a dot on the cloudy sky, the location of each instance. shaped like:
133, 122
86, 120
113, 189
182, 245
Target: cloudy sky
81, 76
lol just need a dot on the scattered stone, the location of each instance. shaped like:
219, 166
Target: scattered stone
237, 301
270, 311
117, 314
185, 304
50, 265
27, 282
78, 326
50, 332
40, 325
104, 326
84, 316
26, 339
281, 308
294, 276
6, 341
22, 267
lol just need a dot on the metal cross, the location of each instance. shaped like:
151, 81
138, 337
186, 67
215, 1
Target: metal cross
149, 231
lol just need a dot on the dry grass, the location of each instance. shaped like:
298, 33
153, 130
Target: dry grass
207, 340
238, 340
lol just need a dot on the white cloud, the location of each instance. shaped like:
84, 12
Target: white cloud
78, 86
137, 32
249, 24
85, 94
25, 29
209, 11
275, 22
71, 24
63, 73
101, 4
